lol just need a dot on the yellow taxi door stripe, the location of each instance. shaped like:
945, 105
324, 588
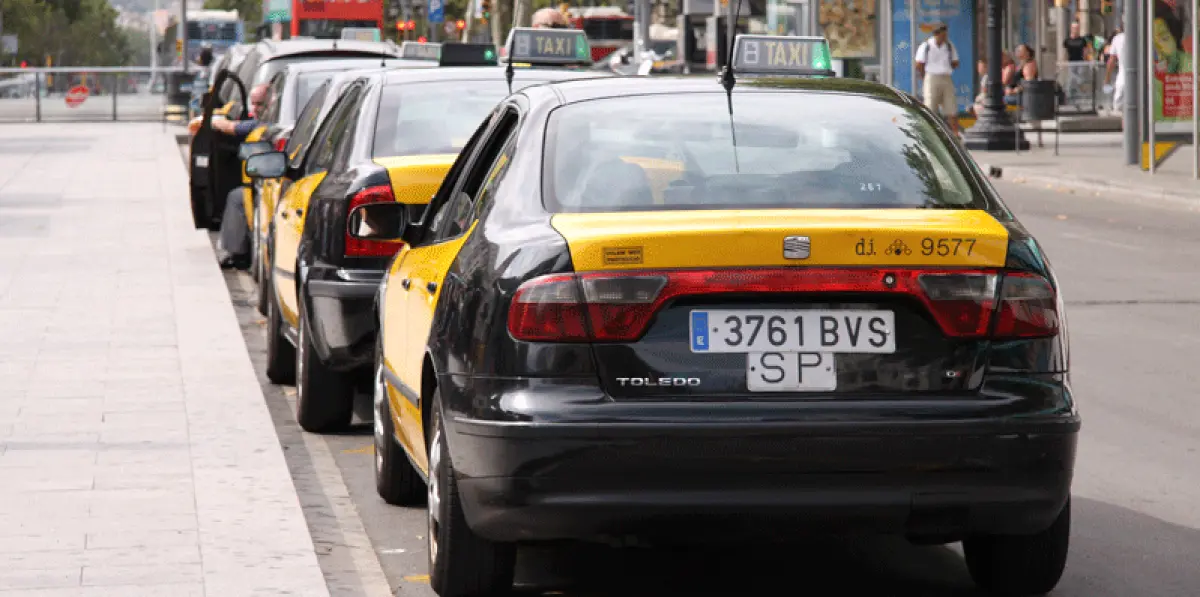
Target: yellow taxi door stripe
755, 238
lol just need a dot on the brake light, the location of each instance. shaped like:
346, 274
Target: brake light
357, 247
618, 307
1028, 307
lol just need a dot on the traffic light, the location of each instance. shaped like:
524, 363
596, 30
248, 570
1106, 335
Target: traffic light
460, 24
1106, 7
422, 39
399, 25
412, 25
486, 8
24, 64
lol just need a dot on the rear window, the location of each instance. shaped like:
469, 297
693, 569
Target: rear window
308, 83
268, 70
433, 118
676, 152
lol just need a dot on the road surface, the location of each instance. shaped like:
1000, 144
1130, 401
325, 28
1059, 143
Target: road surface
1131, 280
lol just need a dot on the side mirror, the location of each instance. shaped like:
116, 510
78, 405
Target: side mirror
272, 164
254, 148
378, 221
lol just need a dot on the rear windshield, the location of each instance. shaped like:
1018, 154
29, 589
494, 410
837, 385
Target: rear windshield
676, 152
433, 118
308, 83
269, 69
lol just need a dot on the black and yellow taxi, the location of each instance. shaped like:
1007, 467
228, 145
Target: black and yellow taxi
290, 90
390, 138
823, 318
215, 165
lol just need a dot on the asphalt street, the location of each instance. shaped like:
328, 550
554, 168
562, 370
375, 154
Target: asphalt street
1131, 281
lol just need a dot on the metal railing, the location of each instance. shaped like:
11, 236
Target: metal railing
1083, 86
87, 94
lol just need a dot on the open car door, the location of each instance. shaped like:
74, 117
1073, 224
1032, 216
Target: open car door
213, 164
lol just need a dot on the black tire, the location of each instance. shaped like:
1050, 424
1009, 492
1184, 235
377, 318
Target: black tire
281, 355
461, 563
324, 397
397, 482
1020, 565
255, 260
200, 217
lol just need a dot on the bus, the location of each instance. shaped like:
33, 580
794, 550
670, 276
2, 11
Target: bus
220, 29
607, 27
319, 19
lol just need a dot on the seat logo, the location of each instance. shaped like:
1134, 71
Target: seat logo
796, 247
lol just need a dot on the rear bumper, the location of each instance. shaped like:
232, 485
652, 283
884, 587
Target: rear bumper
341, 308
700, 480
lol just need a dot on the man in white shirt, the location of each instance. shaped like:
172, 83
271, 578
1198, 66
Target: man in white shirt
936, 60
1116, 60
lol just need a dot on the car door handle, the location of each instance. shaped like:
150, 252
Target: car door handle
405, 283
431, 287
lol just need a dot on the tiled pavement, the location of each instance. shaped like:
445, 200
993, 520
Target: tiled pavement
136, 454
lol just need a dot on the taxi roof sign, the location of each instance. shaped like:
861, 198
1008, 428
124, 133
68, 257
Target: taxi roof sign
467, 54
415, 50
361, 33
782, 55
557, 47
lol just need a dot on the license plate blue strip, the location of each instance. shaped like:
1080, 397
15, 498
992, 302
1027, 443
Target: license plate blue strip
699, 330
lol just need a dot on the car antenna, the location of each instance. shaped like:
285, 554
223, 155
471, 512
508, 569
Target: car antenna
727, 80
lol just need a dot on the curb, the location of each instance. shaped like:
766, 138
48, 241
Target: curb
1096, 186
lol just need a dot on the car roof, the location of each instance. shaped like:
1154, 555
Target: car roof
584, 89
350, 63
487, 73
270, 49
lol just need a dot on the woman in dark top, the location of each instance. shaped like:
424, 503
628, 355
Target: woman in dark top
1027, 70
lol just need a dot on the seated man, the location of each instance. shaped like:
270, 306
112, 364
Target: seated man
233, 246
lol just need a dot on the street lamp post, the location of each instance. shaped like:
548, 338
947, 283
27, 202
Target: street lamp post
994, 130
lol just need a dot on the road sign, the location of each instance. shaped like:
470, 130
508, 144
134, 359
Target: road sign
76, 96
437, 11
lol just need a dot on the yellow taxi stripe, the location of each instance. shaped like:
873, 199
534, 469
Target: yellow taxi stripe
755, 238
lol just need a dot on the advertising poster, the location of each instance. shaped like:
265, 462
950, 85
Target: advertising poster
849, 25
959, 16
1172, 40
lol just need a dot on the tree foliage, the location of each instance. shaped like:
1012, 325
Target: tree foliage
69, 32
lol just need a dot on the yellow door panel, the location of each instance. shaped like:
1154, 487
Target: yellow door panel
395, 343
289, 226
421, 266
755, 238
248, 205
416, 178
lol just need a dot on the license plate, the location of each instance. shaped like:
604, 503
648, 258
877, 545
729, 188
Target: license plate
791, 372
793, 331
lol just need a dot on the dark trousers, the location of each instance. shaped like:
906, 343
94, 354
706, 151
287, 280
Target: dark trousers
235, 235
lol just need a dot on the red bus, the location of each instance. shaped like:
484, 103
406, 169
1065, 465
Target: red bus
608, 28
325, 19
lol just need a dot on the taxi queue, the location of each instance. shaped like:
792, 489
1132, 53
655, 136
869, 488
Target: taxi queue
589, 307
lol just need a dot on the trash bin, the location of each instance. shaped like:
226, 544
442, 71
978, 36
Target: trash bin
1039, 100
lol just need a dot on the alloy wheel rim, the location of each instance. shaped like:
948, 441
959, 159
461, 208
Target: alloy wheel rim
380, 413
435, 491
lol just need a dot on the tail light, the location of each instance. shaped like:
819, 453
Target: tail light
618, 307
357, 247
281, 143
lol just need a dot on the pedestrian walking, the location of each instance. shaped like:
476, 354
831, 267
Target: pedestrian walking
936, 61
1026, 70
1116, 62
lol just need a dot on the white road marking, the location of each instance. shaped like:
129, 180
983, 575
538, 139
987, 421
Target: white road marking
1101, 241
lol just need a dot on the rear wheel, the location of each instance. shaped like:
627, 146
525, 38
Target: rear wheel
395, 478
264, 275
281, 356
461, 563
324, 397
1019, 565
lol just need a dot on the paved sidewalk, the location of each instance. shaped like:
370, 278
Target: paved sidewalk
137, 456
1095, 162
